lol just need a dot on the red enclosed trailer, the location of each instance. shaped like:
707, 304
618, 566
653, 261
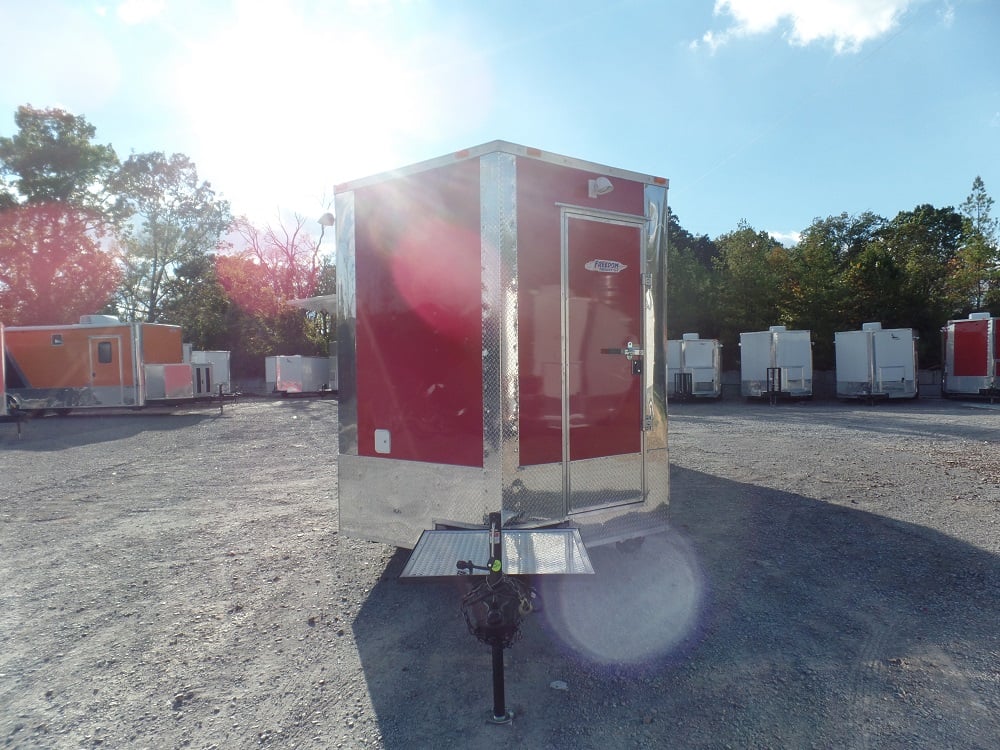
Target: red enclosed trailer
971, 352
502, 370
502, 347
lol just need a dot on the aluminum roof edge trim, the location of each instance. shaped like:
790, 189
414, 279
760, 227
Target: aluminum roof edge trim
502, 147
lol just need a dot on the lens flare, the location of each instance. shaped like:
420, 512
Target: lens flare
638, 608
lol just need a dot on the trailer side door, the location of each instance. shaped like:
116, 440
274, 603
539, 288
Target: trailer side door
603, 358
107, 370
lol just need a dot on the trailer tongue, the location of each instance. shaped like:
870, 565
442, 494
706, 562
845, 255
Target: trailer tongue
495, 607
501, 368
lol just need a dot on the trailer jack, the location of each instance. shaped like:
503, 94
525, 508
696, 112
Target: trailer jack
496, 606
494, 610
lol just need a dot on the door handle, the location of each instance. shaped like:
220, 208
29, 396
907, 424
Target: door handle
629, 351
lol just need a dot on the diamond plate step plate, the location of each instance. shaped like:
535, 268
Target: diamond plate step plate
525, 552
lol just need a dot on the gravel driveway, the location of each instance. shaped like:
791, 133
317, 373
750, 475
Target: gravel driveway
177, 580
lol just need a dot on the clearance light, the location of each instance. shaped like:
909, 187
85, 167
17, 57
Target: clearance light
600, 186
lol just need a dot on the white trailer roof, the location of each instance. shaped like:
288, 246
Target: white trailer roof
503, 147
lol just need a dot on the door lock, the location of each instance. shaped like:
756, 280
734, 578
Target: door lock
629, 351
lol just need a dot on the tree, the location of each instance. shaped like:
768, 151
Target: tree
816, 295
175, 220
55, 219
196, 301
52, 159
690, 282
287, 256
752, 270
326, 283
847, 235
908, 272
266, 268
976, 273
52, 270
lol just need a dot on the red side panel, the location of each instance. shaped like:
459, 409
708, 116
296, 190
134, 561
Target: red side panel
419, 316
541, 186
971, 340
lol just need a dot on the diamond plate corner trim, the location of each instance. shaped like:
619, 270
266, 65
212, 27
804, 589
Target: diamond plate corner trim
347, 317
498, 226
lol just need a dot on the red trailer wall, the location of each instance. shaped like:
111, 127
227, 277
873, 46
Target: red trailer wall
418, 277
541, 186
971, 339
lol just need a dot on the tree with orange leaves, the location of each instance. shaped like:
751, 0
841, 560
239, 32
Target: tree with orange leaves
56, 219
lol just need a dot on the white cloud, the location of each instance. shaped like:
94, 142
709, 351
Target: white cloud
134, 12
947, 14
846, 24
786, 238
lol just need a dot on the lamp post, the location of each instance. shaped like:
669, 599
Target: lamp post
326, 220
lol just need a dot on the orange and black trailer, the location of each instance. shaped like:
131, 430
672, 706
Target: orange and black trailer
99, 362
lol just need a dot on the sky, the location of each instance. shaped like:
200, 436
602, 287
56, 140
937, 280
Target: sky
773, 112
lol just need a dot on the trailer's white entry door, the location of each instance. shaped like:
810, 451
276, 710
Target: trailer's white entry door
603, 360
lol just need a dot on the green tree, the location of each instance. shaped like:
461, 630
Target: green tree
907, 273
175, 220
874, 283
690, 282
752, 270
326, 283
55, 219
818, 294
976, 274
196, 301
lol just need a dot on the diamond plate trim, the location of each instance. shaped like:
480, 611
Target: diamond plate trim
525, 552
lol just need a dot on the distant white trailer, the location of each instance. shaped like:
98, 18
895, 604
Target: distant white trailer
219, 361
876, 362
694, 367
971, 352
776, 362
295, 373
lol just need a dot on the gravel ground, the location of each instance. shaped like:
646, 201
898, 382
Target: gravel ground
177, 580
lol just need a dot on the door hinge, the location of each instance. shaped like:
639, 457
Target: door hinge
647, 423
647, 280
